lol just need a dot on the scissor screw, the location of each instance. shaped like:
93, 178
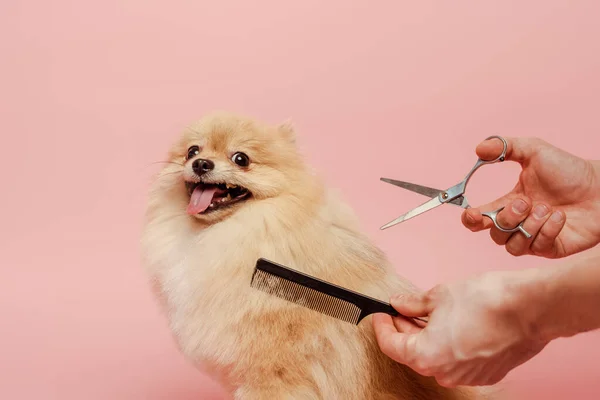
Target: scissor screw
444, 195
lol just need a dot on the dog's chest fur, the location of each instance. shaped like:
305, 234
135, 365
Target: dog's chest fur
204, 282
204, 289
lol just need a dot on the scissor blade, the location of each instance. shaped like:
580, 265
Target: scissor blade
424, 190
431, 204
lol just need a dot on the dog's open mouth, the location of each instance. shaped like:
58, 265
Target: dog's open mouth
207, 197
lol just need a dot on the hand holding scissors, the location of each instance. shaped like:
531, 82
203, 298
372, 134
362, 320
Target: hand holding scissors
454, 195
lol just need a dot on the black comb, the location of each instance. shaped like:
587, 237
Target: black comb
318, 295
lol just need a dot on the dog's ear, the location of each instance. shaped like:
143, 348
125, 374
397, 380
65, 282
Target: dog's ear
286, 130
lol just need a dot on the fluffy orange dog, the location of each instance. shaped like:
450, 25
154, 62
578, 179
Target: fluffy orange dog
234, 190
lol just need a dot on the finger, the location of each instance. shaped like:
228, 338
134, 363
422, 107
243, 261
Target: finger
475, 221
508, 218
412, 305
404, 325
518, 244
499, 237
517, 149
545, 242
511, 216
397, 346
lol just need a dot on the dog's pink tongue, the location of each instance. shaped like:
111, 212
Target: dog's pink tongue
200, 199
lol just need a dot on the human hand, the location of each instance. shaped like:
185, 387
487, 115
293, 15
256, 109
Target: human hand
478, 330
558, 196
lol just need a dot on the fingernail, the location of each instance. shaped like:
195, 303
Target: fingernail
540, 211
519, 206
556, 216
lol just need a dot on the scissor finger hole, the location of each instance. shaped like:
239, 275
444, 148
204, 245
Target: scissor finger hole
502, 155
493, 216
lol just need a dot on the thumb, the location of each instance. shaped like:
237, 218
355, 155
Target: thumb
517, 149
400, 347
412, 305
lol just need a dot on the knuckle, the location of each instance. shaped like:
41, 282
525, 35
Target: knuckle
538, 248
446, 381
542, 242
423, 367
427, 363
386, 347
537, 141
435, 293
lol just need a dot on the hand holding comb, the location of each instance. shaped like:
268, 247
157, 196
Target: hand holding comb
316, 294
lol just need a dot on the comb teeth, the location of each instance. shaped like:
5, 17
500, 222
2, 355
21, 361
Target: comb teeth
306, 297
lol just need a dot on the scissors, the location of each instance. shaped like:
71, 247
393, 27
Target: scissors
454, 195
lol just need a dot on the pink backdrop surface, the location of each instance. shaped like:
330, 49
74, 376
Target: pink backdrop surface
92, 93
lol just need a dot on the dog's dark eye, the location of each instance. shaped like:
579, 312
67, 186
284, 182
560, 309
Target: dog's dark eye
241, 159
193, 152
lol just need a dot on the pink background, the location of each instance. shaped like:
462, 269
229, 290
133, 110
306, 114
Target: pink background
92, 93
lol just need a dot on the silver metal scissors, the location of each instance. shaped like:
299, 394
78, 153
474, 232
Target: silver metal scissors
454, 195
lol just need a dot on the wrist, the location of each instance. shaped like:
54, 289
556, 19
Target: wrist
560, 301
530, 292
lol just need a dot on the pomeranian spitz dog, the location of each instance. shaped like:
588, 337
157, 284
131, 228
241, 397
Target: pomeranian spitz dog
235, 189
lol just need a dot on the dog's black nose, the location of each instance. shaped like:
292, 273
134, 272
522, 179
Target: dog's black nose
201, 166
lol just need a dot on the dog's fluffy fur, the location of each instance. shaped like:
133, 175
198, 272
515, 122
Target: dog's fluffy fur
259, 346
